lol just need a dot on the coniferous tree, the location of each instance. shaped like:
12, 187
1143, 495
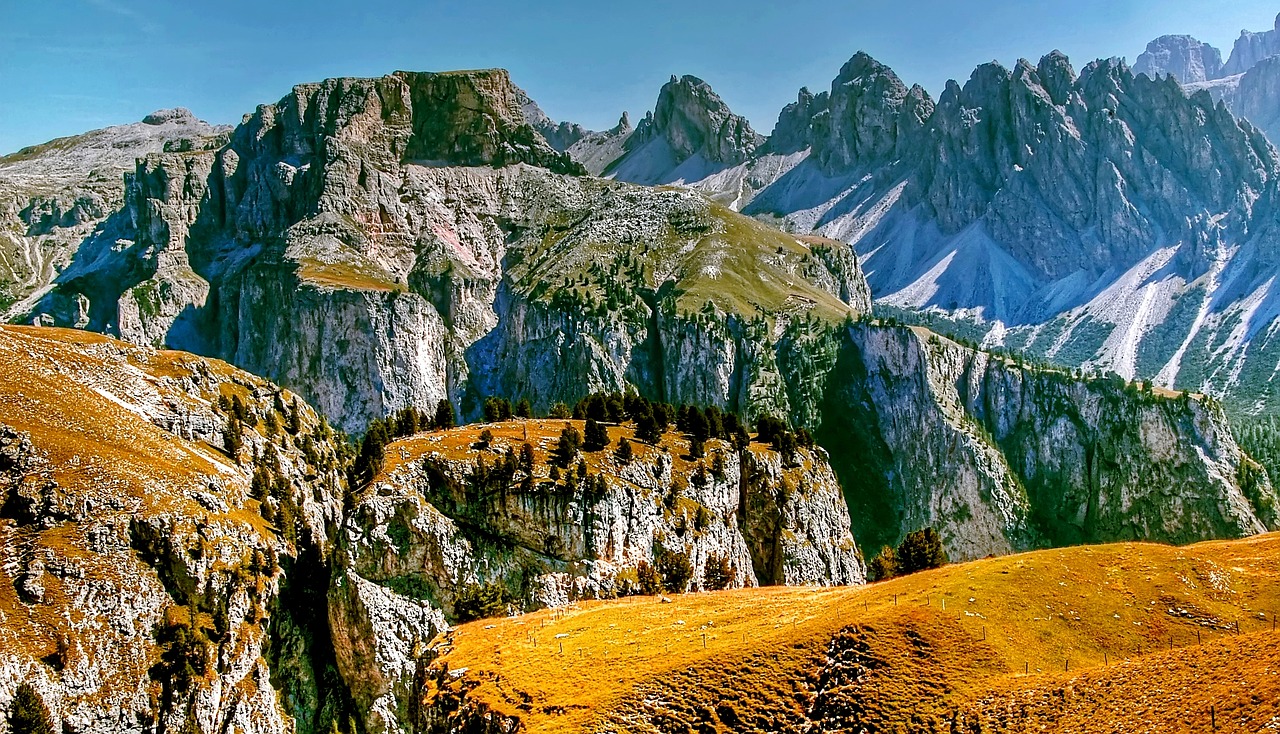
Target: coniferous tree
373, 452
568, 446
27, 712
718, 574
675, 570
624, 453
921, 550
596, 437
524, 409
560, 411
445, 416
647, 579
233, 438
526, 457
884, 566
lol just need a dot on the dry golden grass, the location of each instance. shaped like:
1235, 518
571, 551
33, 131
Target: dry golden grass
929, 647
463, 444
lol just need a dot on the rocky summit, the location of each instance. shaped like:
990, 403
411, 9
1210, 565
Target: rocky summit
1100, 218
403, 407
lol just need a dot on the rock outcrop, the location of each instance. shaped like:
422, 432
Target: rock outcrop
1093, 219
1251, 48
449, 516
143, 587
375, 244
1000, 457
690, 134
57, 196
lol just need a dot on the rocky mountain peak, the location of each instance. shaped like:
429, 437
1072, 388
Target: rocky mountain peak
693, 120
180, 115
1185, 58
865, 118
1056, 75
1251, 47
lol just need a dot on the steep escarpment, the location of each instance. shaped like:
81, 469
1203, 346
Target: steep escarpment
452, 514
1001, 457
157, 510
1104, 219
375, 244
56, 197
1184, 58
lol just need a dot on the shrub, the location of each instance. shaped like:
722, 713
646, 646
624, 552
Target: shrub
884, 565
27, 712
480, 601
675, 570
921, 550
717, 574
647, 579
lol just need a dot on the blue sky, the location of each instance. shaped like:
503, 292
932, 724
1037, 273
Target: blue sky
67, 66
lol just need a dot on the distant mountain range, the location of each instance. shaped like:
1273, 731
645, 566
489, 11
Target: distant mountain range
1110, 219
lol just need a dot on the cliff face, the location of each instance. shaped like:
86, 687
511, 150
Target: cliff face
382, 243
1000, 457
1100, 219
1182, 57
56, 197
142, 587
445, 518
180, 551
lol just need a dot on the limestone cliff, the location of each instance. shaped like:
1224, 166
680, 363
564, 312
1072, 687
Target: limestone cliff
380, 243
57, 196
1002, 457
143, 588
447, 516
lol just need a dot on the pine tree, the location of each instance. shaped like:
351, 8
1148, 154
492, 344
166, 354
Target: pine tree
921, 550
568, 447
444, 417
647, 429
560, 411
675, 570
526, 457
524, 409
624, 453
597, 436
647, 579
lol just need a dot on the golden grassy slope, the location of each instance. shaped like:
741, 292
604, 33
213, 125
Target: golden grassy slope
988, 644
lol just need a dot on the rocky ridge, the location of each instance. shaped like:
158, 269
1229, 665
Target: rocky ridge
142, 585
429, 531
950, 204
452, 269
54, 197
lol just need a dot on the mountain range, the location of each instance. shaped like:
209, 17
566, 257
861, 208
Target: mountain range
199, 545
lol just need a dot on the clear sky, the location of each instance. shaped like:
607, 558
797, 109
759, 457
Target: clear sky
67, 66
